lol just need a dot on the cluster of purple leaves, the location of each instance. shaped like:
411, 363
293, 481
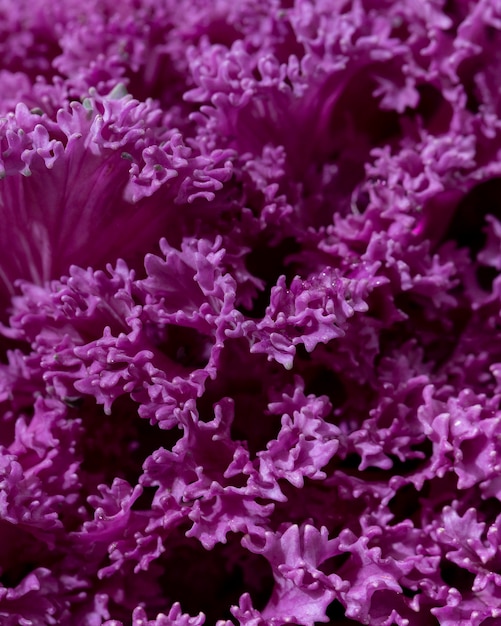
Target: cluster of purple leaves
250, 303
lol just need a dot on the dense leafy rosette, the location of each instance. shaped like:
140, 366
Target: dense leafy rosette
250, 313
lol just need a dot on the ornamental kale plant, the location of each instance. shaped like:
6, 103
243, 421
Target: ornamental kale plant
250, 312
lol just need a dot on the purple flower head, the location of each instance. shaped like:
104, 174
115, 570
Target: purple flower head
249, 313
